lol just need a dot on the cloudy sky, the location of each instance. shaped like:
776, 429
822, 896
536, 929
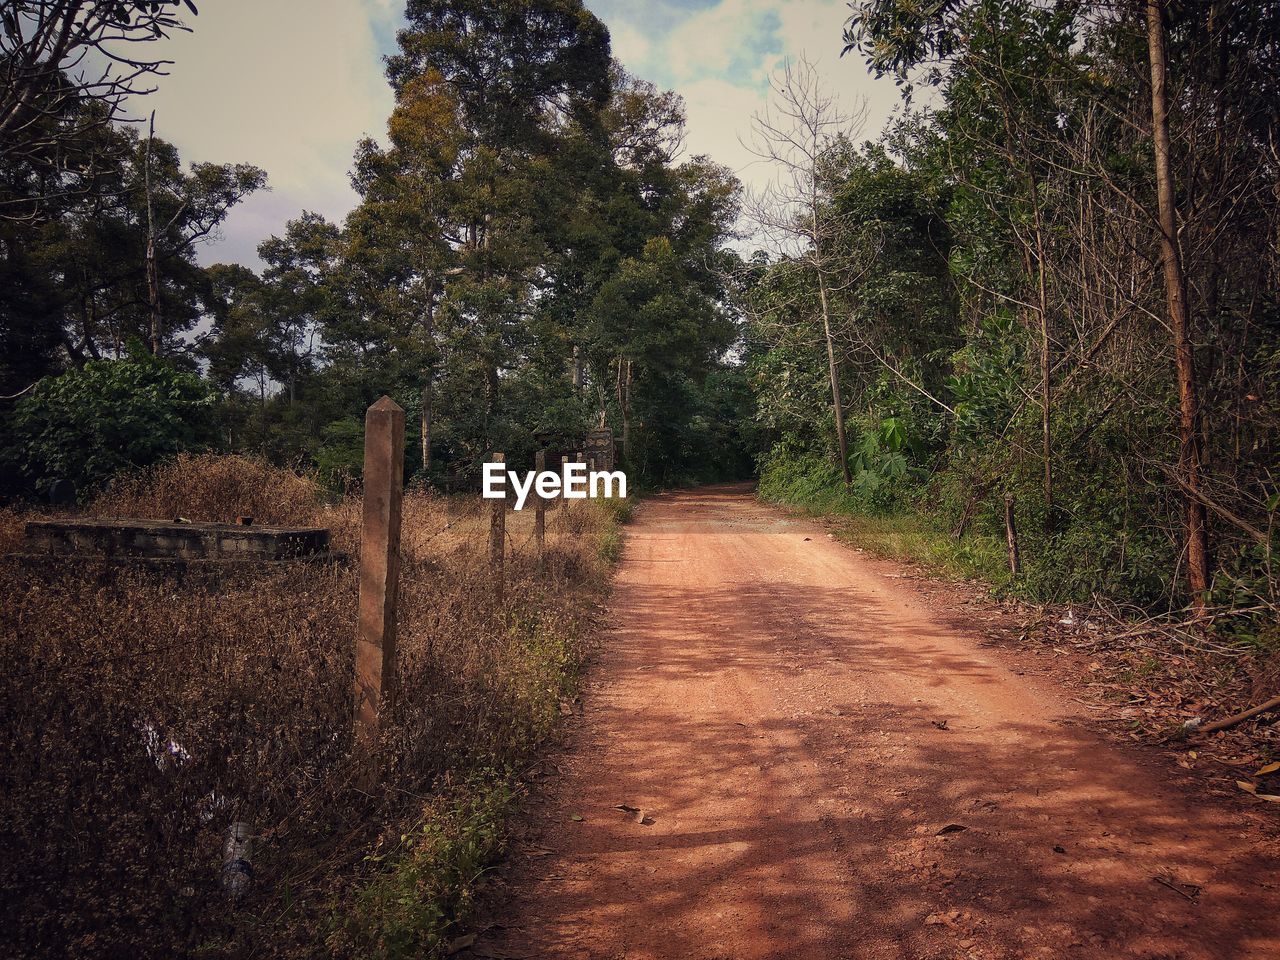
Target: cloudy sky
290, 85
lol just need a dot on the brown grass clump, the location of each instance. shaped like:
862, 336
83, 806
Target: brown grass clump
146, 710
212, 488
12, 524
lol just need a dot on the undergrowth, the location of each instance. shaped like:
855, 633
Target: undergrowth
147, 709
882, 523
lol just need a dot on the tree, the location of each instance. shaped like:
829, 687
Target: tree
794, 212
1179, 319
398, 238
66, 69
85, 285
88, 425
518, 75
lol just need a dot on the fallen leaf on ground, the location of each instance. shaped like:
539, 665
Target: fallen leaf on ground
1269, 768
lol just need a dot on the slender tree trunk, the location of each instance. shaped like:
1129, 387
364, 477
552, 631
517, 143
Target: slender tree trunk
624, 401
833, 371
1011, 536
428, 385
262, 409
426, 424
1179, 319
153, 272
1046, 361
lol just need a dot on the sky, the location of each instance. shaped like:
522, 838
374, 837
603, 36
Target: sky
292, 85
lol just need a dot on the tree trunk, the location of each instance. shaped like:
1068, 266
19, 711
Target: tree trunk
427, 383
1011, 536
153, 272
624, 402
426, 424
834, 372
1179, 319
1046, 361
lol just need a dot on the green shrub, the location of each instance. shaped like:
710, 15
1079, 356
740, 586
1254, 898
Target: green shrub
87, 425
424, 890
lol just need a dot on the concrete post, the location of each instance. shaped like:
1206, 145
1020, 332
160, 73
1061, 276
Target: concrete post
497, 534
379, 565
540, 508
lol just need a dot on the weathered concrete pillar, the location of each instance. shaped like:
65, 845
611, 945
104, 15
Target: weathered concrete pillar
379, 565
498, 533
540, 507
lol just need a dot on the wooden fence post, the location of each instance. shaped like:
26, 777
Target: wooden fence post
498, 532
379, 565
581, 458
540, 507
1011, 535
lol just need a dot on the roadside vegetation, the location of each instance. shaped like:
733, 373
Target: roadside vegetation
1050, 283
982, 304
146, 710
531, 250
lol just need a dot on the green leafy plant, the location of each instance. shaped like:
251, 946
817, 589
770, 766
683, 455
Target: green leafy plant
110, 416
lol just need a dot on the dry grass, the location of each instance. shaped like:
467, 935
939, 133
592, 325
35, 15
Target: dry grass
212, 488
145, 711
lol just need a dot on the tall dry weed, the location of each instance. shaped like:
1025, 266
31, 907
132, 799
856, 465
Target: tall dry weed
145, 710
214, 488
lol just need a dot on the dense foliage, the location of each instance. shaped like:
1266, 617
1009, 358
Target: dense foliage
530, 256
108, 417
1015, 335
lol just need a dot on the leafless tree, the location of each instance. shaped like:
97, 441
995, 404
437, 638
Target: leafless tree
67, 67
795, 135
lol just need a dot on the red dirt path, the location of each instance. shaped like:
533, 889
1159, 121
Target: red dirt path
775, 703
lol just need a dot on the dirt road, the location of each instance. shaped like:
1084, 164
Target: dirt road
827, 769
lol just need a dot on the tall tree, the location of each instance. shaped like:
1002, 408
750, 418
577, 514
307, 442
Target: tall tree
1179, 314
794, 212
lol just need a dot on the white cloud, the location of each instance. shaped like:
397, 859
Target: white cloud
721, 58
716, 40
288, 87
719, 113
630, 45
